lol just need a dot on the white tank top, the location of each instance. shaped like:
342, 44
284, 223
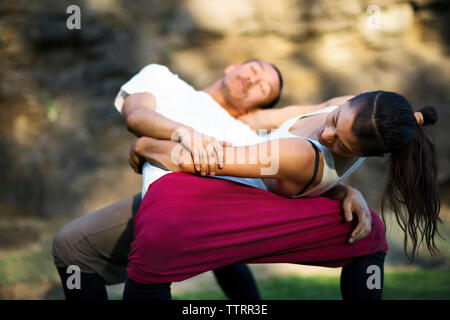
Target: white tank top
329, 177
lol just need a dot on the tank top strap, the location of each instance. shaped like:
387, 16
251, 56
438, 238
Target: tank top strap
316, 167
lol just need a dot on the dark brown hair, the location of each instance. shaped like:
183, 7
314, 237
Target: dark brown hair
275, 100
385, 123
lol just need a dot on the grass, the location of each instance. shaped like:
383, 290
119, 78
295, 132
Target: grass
27, 272
36, 268
404, 285
32, 267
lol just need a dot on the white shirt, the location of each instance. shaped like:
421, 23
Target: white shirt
180, 102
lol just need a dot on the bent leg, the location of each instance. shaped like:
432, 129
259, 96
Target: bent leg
98, 244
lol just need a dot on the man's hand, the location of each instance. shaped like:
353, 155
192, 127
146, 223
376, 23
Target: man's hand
206, 151
136, 162
354, 203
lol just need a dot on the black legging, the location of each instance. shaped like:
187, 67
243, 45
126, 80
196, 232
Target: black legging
236, 281
353, 282
355, 275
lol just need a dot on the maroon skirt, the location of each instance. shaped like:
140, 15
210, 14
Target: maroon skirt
187, 225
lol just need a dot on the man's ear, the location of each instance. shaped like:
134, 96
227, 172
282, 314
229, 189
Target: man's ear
230, 68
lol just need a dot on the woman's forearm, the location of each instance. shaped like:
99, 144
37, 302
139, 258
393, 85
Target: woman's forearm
289, 160
171, 155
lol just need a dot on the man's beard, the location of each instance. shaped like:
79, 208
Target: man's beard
226, 93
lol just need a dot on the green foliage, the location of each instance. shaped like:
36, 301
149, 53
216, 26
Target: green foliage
31, 268
404, 285
34, 268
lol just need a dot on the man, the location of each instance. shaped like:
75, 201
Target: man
156, 103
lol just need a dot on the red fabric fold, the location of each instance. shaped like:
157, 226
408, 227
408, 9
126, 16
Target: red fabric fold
187, 225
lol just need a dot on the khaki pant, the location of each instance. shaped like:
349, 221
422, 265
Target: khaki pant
100, 241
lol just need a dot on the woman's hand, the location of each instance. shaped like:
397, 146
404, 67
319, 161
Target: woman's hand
206, 151
354, 203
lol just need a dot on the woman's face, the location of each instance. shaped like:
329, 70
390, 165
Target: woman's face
337, 134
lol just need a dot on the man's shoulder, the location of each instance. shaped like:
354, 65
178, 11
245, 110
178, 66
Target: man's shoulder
164, 76
154, 67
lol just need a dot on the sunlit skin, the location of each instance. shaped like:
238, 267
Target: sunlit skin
245, 87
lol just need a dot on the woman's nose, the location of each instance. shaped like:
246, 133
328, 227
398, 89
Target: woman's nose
328, 135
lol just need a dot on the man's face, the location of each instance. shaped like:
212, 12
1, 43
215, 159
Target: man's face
250, 85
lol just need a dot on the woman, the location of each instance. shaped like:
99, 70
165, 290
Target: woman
371, 124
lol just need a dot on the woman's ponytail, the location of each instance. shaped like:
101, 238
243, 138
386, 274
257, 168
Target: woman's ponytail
411, 188
386, 123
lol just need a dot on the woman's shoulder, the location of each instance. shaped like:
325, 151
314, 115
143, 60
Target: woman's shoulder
299, 160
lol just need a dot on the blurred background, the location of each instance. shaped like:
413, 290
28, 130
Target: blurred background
64, 146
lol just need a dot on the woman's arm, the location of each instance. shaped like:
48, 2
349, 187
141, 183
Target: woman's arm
273, 118
290, 160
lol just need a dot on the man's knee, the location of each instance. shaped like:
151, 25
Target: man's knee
63, 249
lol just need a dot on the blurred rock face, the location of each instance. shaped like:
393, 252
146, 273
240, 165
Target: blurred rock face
64, 146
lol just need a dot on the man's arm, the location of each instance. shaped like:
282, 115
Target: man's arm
142, 119
273, 118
